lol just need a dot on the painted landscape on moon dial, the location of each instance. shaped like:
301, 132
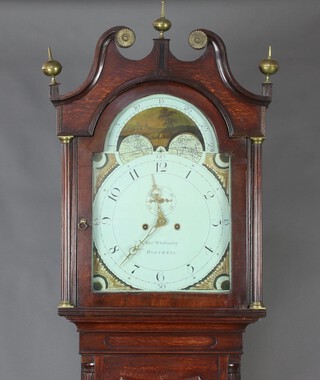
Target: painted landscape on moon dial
160, 125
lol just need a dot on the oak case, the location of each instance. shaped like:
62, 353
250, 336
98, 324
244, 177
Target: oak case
161, 335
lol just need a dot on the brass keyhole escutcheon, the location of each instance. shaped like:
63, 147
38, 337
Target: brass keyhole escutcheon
83, 224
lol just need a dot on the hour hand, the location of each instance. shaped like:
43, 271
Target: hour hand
162, 220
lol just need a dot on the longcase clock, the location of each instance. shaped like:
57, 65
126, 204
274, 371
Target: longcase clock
161, 210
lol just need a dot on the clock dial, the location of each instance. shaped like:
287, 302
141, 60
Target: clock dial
162, 223
161, 210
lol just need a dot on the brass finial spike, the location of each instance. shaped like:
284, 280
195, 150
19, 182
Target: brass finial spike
162, 24
268, 66
162, 8
51, 67
50, 54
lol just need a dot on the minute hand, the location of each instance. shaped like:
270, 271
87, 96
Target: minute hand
161, 221
133, 250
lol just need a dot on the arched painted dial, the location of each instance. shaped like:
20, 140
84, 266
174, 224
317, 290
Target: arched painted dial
161, 213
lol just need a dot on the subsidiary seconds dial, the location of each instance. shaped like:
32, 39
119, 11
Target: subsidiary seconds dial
162, 222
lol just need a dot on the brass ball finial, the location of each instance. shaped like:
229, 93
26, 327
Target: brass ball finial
51, 67
268, 66
162, 24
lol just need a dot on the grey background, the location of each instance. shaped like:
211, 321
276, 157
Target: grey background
35, 343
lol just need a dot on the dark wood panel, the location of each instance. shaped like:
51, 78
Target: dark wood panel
156, 367
159, 342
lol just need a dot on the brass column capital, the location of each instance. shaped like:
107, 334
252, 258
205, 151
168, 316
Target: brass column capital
65, 139
257, 140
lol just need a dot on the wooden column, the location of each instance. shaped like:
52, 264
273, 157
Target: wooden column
87, 368
256, 231
66, 170
234, 371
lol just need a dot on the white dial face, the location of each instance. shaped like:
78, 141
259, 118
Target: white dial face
161, 222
